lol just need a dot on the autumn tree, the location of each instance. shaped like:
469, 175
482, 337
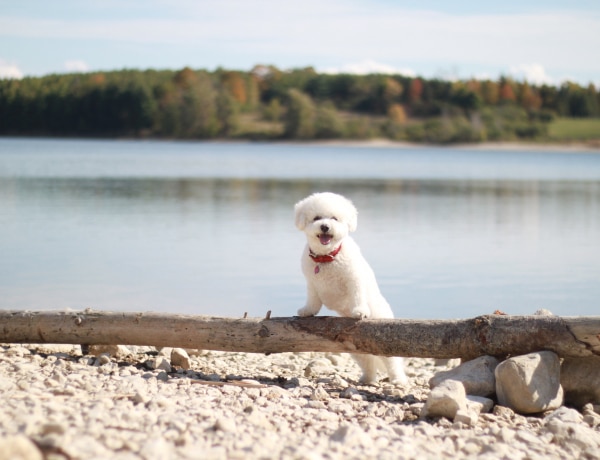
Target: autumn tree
236, 86
415, 90
507, 93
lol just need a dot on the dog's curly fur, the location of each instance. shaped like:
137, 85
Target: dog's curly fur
346, 284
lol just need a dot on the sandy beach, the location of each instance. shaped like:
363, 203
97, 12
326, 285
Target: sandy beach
587, 147
57, 403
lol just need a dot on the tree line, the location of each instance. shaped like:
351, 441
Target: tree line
269, 103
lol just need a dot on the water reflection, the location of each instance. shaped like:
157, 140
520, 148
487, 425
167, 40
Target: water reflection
440, 248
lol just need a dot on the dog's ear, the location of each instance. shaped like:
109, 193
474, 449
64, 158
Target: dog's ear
350, 215
300, 214
352, 219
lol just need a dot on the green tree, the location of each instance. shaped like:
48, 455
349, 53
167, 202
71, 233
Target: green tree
300, 116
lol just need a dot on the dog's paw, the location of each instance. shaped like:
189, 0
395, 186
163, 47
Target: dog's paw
306, 311
360, 313
399, 380
367, 379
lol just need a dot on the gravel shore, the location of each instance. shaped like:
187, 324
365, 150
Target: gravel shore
57, 403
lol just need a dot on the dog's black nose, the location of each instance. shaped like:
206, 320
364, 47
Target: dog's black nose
324, 228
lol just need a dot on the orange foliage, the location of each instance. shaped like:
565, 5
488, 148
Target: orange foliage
236, 86
98, 79
415, 90
506, 92
530, 99
185, 78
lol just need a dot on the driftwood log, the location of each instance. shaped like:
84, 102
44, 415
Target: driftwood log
496, 335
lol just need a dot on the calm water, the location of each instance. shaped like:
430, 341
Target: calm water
207, 228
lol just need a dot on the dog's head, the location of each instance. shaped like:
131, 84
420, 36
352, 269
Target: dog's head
326, 218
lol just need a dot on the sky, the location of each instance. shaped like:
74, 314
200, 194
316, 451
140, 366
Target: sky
541, 41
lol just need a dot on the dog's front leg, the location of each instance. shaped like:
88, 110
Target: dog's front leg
313, 303
359, 308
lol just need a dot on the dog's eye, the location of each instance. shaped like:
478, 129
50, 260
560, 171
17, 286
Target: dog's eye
333, 218
317, 218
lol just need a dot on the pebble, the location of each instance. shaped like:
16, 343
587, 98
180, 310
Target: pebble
58, 404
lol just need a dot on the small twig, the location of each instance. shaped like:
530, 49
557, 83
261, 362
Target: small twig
234, 383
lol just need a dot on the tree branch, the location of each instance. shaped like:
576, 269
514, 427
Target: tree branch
497, 335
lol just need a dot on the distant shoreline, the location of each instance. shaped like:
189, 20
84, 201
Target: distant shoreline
581, 147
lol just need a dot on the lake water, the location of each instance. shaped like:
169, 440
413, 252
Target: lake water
207, 228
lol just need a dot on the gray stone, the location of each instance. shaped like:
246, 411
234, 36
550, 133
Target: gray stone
476, 375
445, 400
530, 383
580, 379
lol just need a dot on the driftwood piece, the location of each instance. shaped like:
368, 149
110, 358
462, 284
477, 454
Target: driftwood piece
496, 335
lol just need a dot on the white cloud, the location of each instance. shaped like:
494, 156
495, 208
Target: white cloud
532, 73
76, 66
9, 70
369, 66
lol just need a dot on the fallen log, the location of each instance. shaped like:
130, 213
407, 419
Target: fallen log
496, 335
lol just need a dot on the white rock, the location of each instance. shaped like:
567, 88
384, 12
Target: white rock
116, 351
140, 397
565, 415
298, 382
103, 359
445, 400
225, 424
530, 383
18, 447
351, 436
179, 357
476, 375
466, 416
317, 367
576, 434
159, 363
319, 394
479, 404
350, 393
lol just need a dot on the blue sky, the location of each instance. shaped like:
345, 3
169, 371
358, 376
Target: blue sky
541, 41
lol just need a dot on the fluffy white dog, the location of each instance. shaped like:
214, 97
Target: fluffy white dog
338, 276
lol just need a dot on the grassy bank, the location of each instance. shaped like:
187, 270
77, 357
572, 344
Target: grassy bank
574, 129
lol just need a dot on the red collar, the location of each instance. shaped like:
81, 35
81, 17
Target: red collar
325, 258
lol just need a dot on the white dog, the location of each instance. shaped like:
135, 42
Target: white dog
338, 276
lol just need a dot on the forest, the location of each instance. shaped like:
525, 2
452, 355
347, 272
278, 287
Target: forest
267, 103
